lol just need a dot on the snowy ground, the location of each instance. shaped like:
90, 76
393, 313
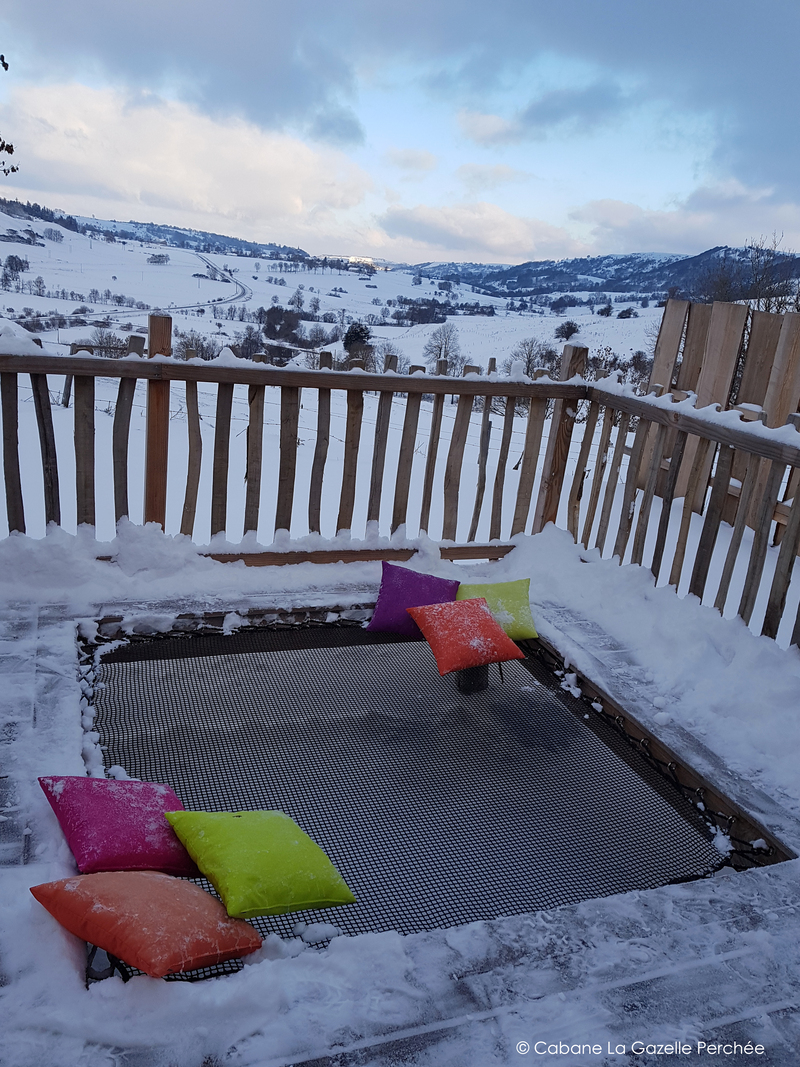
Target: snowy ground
710, 961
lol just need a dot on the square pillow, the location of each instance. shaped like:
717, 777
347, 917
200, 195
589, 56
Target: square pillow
464, 634
260, 862
402, 588
118, 826
159, 924
509, 603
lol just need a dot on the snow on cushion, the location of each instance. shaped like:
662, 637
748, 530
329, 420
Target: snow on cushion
509, 603
118, 826
464, 634
260, 862
402, 588
152, 921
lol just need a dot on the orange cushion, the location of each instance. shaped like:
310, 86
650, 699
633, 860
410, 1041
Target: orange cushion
464, 634
151, 921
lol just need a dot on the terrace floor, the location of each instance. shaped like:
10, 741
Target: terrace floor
709, 961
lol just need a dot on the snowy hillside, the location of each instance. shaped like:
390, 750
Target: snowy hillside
79, 284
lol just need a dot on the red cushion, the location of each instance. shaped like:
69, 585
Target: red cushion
464, 634
151, 921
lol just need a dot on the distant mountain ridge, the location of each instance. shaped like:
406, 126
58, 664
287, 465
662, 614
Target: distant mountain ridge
645, 273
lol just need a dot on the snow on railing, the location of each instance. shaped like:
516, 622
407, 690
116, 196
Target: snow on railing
399, 464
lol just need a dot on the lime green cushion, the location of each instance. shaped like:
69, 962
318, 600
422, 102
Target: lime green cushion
260, 862
509, 603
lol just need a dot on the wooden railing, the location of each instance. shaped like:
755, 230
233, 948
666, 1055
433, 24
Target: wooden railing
603, 495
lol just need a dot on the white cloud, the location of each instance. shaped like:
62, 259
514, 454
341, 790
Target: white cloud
487, 129
727, 213
412, 159
478, 230
139, 155
479, 176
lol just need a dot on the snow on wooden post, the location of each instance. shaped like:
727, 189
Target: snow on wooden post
159, 333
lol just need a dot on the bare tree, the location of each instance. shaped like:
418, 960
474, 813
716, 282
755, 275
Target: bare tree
443, 343
771, 285
6, 149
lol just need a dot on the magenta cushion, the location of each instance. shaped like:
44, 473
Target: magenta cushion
118, 826
401, 589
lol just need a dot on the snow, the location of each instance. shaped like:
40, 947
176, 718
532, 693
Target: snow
717, 959
296, 999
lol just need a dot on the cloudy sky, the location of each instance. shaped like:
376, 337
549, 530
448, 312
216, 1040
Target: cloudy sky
488, 130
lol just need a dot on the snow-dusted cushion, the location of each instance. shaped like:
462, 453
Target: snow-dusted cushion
118, 826
402, 588
151, 921
260, 862
463, 634
509, 603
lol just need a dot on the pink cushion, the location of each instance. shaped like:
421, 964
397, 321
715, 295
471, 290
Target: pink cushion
118, 826
402, 588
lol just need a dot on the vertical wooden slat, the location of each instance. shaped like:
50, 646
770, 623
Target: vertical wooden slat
694, 347
530, 457
455, 457
581, 471
668, 344
405, 458
495, 524
668, 496
629, 493
723, 343
120, 437
697, 473
255, 449
483, 456
599, 471
611, 483
157, 434
782, 395
290, 418
84, 449
47, 444
783, 571
194, 460
751, 480
643, 523
758, 552
433, 449
382, 418
713, 517
352, 438
11, 473
320, 448
222, 443
573, 362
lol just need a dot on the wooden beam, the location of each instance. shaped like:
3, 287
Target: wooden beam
194, 460
222, 444
11, 472
358, 555
251, 373
47, 444
84, 450
573, 362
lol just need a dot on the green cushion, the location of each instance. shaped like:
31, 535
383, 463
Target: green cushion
509, 603
260, 862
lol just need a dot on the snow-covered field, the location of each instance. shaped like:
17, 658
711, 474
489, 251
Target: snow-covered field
708, 962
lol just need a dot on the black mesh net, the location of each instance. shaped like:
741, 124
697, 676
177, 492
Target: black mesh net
438, 808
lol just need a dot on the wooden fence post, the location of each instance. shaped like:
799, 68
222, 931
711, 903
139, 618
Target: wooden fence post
159, 343
573, 361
